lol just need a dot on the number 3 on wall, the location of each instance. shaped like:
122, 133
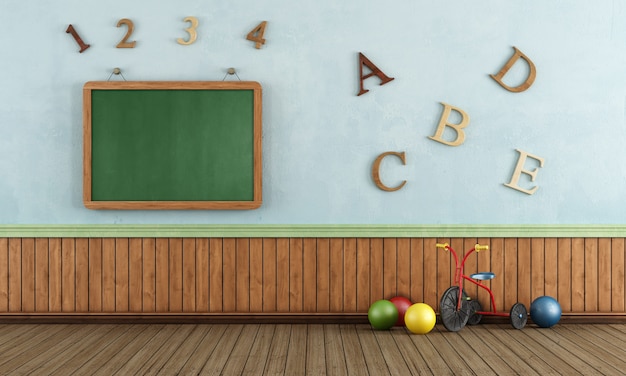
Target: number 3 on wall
124, 43
191, 30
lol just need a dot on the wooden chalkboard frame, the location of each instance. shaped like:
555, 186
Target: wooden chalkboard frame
174, 204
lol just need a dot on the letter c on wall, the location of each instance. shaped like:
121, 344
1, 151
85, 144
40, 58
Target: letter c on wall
376, 171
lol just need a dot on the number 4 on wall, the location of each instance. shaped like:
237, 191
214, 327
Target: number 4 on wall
256, 35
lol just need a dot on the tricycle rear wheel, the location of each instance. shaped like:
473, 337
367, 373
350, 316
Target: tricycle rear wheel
519, 315
474, 318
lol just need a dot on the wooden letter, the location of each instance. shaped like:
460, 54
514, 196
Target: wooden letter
376, 171
519, 169
375, 72
443, 123
81, 44
531, 74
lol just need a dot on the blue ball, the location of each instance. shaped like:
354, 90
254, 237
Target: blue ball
545, 311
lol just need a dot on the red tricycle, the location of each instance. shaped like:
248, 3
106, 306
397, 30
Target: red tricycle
458, 309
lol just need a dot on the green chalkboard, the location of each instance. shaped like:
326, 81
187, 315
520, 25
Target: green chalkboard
172, 145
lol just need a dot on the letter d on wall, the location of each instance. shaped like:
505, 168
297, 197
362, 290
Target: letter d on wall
531, 74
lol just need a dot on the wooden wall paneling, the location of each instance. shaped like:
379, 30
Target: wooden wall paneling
269, 275
323, 274
390, 267
510, 273
176, 275
376, 269
121, 274
550, 267
578, 274
135, 275
54, 275
242, 270
215, 275
564, 279
189, 275
430, 272
336, 275
41, 275
108, 275
310, 275
524, 271
309, 278
363, 300
95, 275
256, 275
416, 249
403, 277
282, 275
497, 254
202, 274
604, 274
148, 275
295, 275
28, 275
618, 281
537, 268
350, 286
68, 275
591, 274
4, 275
162, 275
82, 275
229, 275
483, 264
15, 275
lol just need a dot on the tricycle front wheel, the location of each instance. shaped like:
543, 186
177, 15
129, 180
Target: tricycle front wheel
453, 319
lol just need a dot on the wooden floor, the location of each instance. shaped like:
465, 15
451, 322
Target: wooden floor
230, 349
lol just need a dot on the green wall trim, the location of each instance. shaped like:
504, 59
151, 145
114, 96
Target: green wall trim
312, 231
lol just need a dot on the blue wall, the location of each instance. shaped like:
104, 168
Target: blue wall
320, 138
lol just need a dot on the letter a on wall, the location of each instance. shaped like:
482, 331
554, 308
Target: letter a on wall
375, 71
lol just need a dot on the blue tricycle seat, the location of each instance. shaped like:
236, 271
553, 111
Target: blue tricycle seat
483, 276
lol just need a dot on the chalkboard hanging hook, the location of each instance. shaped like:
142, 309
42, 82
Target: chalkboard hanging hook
117, 72
231, 71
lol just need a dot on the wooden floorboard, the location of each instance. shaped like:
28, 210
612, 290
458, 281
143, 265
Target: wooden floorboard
308, 349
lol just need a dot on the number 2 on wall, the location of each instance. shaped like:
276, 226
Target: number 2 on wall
124, 43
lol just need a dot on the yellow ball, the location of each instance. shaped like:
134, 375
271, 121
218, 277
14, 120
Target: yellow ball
420, 318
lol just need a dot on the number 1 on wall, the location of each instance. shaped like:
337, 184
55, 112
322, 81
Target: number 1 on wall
83, 46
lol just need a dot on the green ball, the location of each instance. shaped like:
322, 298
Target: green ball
383, 314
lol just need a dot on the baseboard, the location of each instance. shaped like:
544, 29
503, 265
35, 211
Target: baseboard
255, 318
